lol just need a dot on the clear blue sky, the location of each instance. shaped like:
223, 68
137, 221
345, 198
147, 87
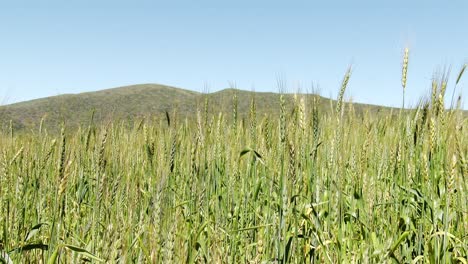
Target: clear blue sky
57, 47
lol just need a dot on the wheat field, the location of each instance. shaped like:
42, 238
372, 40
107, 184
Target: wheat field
304, 186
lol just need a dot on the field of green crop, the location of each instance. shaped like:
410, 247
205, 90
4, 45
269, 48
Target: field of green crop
300, 187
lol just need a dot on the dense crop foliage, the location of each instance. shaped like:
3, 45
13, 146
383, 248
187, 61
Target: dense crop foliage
302, 186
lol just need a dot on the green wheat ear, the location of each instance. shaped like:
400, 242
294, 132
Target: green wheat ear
461, 73
344, 84
405, 68
404, 73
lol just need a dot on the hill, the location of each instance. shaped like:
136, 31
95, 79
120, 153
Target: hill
145, 100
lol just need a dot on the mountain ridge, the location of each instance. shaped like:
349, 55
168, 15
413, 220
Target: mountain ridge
149, 100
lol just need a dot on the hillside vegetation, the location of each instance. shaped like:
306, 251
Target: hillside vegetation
150, 101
